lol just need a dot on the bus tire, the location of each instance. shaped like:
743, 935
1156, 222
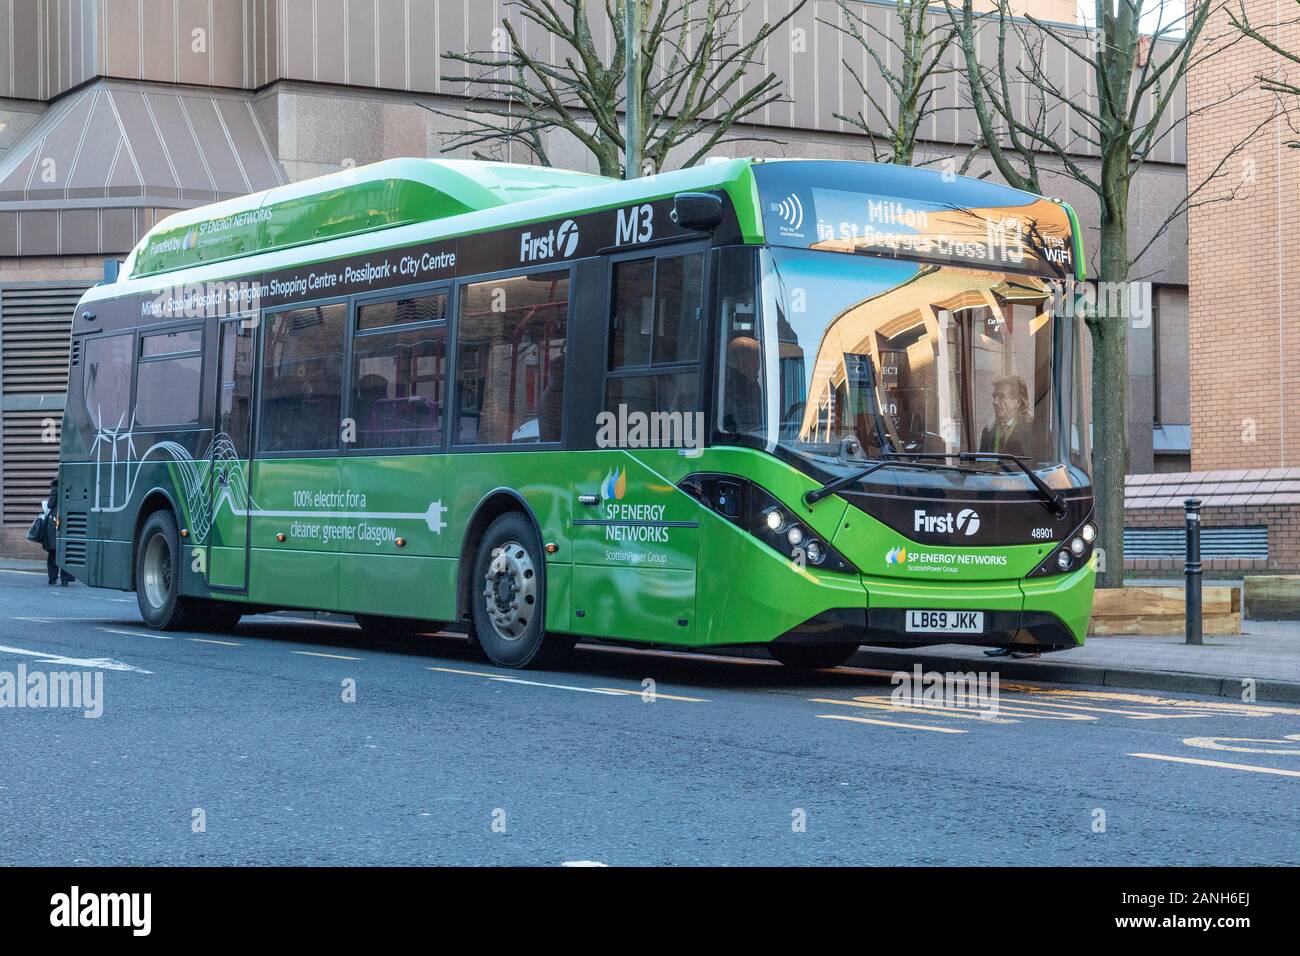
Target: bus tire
812, 656
219, 616
508, 597
158, 576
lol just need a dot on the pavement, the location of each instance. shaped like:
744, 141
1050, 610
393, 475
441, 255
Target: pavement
289, 741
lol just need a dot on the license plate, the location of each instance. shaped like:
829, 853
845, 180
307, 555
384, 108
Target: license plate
945, 622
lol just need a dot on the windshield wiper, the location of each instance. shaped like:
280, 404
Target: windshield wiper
1054, 501
893, 458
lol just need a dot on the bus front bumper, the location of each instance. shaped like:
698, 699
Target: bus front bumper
1042, 614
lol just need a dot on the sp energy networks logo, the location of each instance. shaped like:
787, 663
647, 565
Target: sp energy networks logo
558, 243
896, 556
967, 522
615, 485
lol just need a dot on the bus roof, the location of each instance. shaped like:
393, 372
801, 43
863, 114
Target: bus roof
425, 199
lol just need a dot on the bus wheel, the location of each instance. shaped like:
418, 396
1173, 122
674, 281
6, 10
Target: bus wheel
507, 596
812, 656
158, 575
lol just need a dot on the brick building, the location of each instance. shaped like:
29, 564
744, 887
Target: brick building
114, 113
1244, 341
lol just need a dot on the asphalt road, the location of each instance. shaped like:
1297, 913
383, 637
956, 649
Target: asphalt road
240, 748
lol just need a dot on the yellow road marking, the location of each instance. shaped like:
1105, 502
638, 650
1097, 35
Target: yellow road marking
881, 703
1130, 714
1217, 706
1220, 763
204, 640
337, 657
891, 723
656, 695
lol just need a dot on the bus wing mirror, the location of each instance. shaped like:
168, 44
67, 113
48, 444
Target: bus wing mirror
697, 210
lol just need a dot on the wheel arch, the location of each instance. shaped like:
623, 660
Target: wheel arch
491, 506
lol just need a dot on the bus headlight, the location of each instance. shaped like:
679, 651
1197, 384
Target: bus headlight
1070, 552
759, 513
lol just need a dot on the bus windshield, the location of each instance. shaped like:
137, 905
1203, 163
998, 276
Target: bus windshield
840, 359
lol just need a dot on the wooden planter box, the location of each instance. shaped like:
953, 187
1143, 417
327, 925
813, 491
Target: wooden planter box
1272, 597
1162, 611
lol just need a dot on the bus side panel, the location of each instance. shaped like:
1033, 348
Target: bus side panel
751, 594
395, 499
634, 549
302, 570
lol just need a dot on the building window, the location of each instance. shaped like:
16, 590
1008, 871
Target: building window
510, 344
106, 381
302, 380
169, 380
398, 373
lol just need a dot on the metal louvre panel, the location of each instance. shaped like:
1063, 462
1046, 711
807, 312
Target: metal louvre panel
35, 325
29, 463
1241, 542
34, 341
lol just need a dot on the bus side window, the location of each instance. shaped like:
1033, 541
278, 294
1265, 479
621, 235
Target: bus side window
510, 359
106, 379
167, 386
655, 315
399, 370
302, 380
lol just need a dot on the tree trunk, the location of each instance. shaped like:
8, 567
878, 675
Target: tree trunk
1109, 386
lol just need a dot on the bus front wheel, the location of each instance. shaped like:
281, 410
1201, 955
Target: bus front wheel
812, 656
158, 575
507, 596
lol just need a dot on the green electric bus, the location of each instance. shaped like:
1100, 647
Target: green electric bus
804, 404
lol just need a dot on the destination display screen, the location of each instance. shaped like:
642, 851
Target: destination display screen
923, 215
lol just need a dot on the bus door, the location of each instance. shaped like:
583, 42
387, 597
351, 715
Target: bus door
635, 533
229, 457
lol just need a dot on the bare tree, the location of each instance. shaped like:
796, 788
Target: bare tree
923, 40
1276, 83
1032, 127
696, 74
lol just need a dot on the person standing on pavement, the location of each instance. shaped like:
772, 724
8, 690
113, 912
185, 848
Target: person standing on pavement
50, 508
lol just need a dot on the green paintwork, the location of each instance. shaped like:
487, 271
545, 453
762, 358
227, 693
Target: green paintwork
726, 585
395, 192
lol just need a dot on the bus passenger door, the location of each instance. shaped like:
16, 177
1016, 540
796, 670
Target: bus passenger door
229, 458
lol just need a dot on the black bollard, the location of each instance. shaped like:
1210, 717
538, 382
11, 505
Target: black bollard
1192, 570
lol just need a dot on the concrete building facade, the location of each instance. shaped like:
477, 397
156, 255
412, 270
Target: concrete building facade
115, 112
